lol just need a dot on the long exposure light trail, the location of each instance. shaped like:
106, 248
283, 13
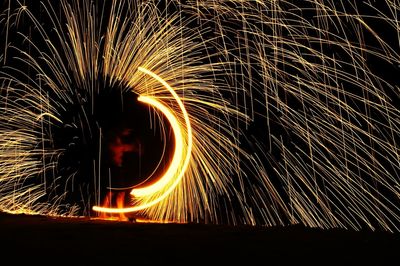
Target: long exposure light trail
180, 159
276, 112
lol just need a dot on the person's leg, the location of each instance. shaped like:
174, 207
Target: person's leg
120, 205
106, 203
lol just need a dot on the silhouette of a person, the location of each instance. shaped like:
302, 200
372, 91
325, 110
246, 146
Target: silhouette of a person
117, 148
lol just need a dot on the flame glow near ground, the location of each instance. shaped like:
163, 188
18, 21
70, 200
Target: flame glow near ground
281, 112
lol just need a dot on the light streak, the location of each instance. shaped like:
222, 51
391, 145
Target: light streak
178, 165
180, 159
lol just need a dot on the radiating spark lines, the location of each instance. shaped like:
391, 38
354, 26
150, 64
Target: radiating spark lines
282, 112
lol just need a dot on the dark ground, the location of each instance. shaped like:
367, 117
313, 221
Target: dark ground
41, 240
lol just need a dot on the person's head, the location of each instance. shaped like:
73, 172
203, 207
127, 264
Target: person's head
121, 141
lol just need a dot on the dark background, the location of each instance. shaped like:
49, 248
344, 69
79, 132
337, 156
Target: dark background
60, 241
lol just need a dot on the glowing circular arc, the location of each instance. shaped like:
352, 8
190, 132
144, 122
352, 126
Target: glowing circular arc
181, 157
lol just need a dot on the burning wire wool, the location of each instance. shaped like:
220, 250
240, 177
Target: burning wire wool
280, 112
